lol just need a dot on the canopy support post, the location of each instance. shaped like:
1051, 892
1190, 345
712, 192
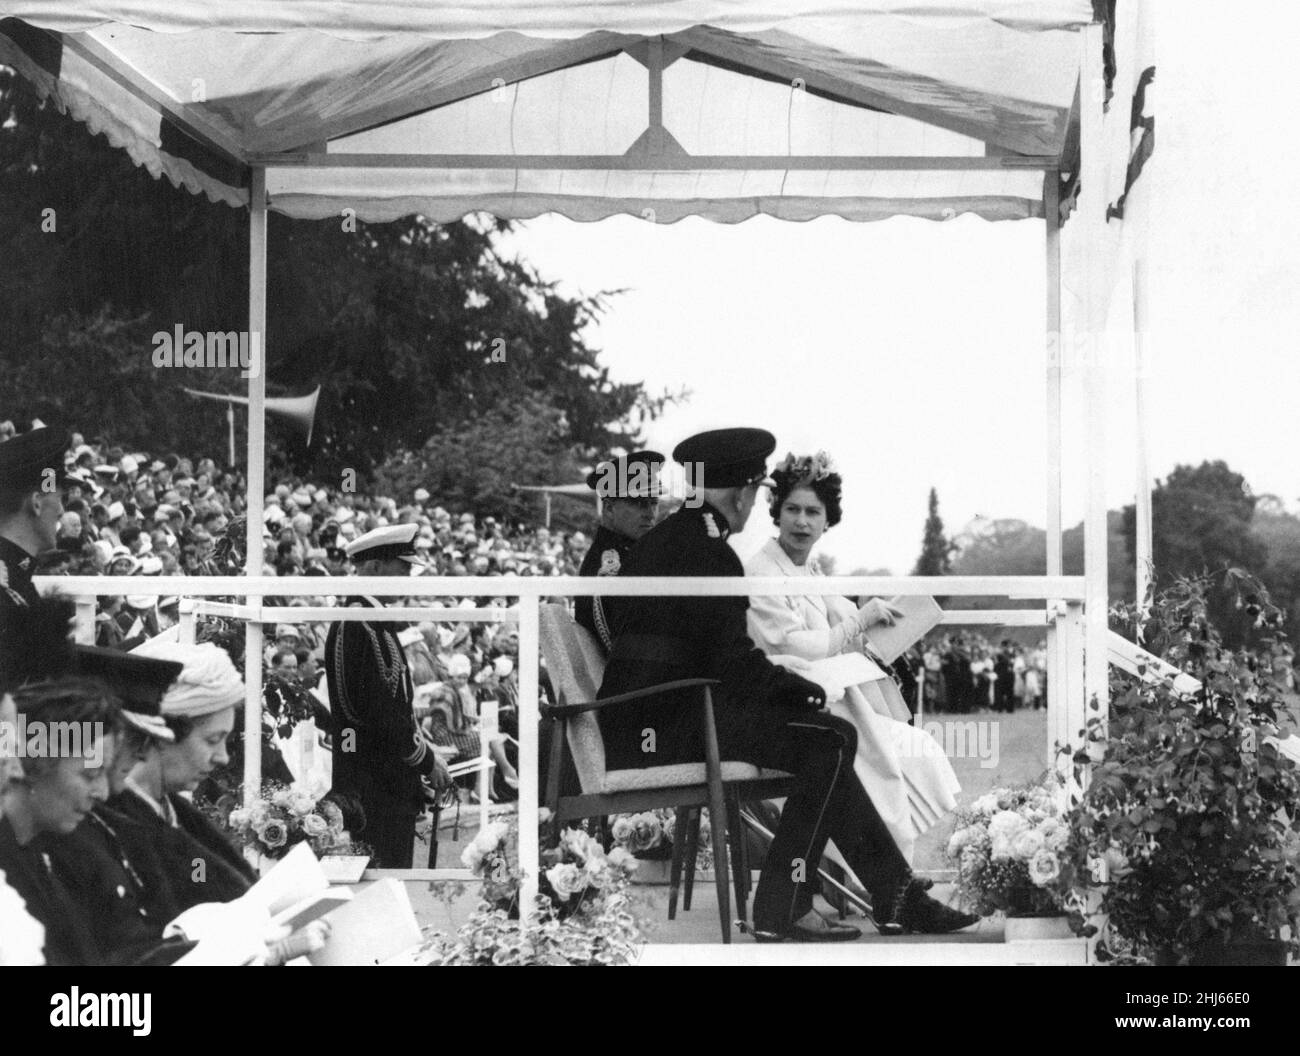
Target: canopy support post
1142, 505
1057, 669
256, 488
1092, 220
529, 721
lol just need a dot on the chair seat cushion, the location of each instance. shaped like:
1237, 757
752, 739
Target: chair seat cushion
681, 774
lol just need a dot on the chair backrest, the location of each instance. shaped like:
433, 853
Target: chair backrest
576, 667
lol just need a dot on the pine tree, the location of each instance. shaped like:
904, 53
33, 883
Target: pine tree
936, 553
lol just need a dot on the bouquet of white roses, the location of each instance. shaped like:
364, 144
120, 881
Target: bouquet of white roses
283, 816
650, 835
575, 872
1010, 851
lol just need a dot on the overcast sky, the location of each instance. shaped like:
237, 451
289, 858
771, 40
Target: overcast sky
912, 350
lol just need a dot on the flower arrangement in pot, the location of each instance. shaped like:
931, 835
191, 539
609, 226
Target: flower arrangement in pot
1010, 850
585, 915
1190, 826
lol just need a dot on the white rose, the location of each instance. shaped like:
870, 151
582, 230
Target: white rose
1002, 848
1027, 844
1044, 868
1007, 824
622, 858
240, 817
566, 880
301, 803
986, 804
622, 829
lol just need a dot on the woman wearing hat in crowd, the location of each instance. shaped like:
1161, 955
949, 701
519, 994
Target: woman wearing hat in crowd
55, 793
199, 709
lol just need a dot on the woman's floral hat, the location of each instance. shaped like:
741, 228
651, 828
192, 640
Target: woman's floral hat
809, 467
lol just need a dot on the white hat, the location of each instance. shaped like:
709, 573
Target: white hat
208, 681
287, 630
389, 535
503, 665
421, 495
410, 636
129, 464
150, 565
116, 510
140, 601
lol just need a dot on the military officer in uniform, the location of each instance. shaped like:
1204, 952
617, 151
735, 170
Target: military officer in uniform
765, 714
32, 476
380, 756
629, 489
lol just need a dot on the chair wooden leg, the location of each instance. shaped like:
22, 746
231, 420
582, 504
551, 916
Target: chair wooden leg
735, 839
718, 824
692, 855
681, 837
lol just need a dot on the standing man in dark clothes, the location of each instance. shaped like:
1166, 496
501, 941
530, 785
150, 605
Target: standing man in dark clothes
629, 489
380, 756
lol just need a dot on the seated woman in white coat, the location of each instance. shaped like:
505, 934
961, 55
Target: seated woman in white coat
903, 769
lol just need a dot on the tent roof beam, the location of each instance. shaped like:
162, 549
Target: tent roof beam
641, 162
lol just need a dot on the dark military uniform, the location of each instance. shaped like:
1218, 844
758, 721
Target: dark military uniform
29, 463
380, 754
69, 938
16, 588
198, 863
605, 557
765, 715
121, 885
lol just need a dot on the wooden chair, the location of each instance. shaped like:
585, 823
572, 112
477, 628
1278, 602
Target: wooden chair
576, 668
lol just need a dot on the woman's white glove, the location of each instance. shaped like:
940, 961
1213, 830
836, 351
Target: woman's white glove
876, 612
302, 942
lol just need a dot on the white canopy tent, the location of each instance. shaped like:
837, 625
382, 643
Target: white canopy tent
711, 108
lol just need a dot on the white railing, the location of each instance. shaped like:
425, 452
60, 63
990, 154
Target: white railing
1062, 614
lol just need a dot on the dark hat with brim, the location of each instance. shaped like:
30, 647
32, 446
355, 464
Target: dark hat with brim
28, 461
634, 476
726, 458
138, 681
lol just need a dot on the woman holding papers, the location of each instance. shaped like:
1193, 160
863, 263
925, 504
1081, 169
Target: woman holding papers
199, 709
903, 769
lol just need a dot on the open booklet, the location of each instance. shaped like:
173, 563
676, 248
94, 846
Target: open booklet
920, 616
373, 926
293, 894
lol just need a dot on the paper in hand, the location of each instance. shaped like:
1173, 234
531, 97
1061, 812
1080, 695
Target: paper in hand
920, 616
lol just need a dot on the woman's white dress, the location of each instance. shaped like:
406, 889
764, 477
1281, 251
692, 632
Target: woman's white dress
22, 937
903, 769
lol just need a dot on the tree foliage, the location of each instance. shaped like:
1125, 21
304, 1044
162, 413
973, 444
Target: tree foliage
936, 551
411, 329
1201, 522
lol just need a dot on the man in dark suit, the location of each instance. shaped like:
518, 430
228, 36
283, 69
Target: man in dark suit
765, 714
32, 476
380, 756
628, 489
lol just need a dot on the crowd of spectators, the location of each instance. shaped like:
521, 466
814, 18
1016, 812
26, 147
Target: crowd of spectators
965, 672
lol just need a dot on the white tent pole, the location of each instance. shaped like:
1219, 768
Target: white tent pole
1052, 210
1092, 220
529, 719
1056, 673
1143, 547
256, 478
